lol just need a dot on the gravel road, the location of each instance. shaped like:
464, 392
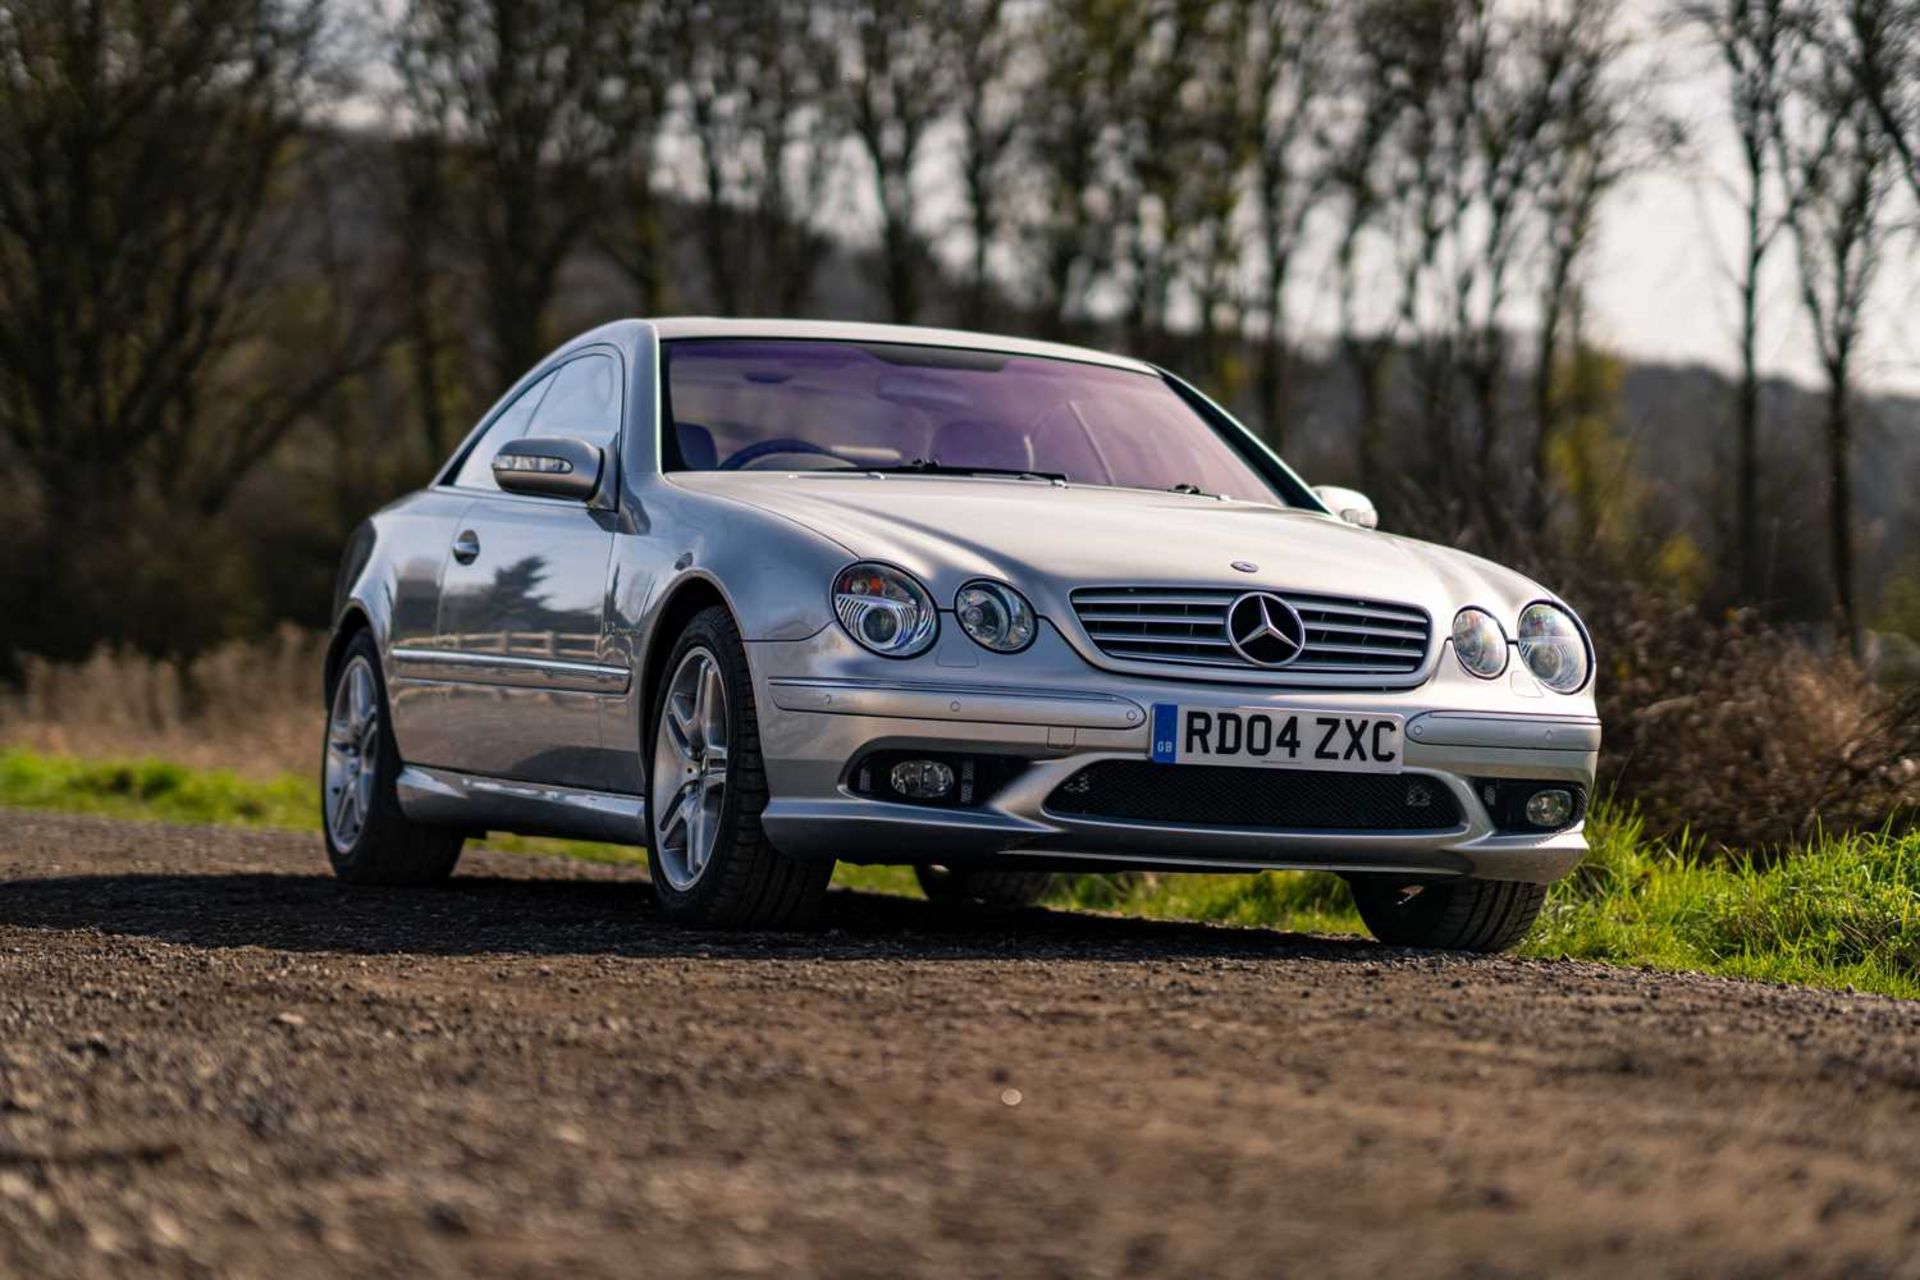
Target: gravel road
216, 1061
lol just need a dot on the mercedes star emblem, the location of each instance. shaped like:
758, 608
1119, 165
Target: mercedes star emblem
1265, 630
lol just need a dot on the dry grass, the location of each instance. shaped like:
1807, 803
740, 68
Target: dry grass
1746, 738
252, 707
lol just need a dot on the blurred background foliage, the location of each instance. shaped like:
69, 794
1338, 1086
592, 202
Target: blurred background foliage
263, 262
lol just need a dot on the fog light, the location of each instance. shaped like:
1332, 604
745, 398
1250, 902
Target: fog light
1550, 808
921, 779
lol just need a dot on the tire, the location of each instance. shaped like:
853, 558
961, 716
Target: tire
368, 839
999, 890
711, 862
1454, 915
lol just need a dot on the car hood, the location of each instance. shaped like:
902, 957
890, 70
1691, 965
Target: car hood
1047, 539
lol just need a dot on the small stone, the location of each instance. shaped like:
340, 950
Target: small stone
289, 1020
167, 1229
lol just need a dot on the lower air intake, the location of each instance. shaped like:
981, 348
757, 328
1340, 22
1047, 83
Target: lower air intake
1283, 799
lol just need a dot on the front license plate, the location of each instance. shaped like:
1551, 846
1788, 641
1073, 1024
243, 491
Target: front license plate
1331, 740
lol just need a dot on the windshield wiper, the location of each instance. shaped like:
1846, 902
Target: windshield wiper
933, 466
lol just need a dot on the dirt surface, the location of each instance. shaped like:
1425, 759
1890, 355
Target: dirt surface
216, 1061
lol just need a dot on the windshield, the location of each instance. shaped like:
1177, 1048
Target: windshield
751, 404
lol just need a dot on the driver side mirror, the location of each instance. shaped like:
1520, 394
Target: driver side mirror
549, 467
1351, 505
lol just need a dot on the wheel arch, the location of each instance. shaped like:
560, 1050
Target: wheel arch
352, 621
688, 598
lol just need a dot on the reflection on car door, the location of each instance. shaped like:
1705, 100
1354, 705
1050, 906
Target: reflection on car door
421, 533
523, 598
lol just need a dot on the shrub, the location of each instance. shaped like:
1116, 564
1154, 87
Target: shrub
1744, 736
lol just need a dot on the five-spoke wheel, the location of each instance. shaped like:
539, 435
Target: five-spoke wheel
353, 754
370, 840
712, 862
690, 768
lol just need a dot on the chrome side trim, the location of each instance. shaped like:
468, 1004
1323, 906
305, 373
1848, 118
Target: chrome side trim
502, 668
1509, 732
935, 700
443, 797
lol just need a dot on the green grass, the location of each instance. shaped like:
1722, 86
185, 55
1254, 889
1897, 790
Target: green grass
154, 789
1842, 911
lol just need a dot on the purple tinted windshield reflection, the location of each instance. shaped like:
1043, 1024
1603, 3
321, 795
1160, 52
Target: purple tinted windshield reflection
750, 404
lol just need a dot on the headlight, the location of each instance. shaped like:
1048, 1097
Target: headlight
885, 610
995, 615
1552, 646
1479, 643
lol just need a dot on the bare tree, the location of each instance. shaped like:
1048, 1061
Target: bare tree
538, 104
1290, 47
1883, 49
143, 262
1589, 146
631, 228
1083, 49
1162, 162
1204, 187
416, 207
988, 108
895, 72
1840, 164
1357, 178
1761, 45
1432, 61
751, 84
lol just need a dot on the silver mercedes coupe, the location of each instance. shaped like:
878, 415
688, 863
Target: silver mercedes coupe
764, 595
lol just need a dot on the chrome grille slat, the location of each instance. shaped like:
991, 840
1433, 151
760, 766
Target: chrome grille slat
1179, 626
1209, 641
1101, 599
1201, 619
1369, 615
1354, 629
1315, 646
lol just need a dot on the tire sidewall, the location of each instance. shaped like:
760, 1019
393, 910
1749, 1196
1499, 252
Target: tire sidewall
347, 862
706, 631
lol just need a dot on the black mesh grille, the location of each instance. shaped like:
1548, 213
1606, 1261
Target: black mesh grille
1286, 799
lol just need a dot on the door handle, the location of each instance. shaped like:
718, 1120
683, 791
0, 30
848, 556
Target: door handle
466, 547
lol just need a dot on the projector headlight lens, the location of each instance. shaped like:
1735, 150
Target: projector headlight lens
885, 610
995, 615
1479, 643
1554, 648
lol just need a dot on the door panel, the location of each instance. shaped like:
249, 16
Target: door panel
519, 644
419, 534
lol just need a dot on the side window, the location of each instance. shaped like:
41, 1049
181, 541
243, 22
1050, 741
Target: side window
477, 471
584, 403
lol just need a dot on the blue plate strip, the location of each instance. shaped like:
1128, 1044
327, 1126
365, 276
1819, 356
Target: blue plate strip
1166, 717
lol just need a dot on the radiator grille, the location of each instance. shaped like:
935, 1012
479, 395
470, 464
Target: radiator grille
1345, 635
1280, 799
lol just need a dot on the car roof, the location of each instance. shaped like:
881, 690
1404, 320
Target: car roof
672, 327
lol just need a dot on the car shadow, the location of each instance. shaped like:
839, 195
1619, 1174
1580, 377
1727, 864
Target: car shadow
482, 914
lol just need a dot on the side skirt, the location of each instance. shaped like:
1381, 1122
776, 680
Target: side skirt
442, 797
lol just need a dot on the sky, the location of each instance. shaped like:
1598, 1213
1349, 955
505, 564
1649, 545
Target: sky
1662, 283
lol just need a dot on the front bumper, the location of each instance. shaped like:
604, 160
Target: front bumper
823, 703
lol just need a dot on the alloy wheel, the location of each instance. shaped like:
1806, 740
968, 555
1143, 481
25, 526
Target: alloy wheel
690, 769
353, 751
